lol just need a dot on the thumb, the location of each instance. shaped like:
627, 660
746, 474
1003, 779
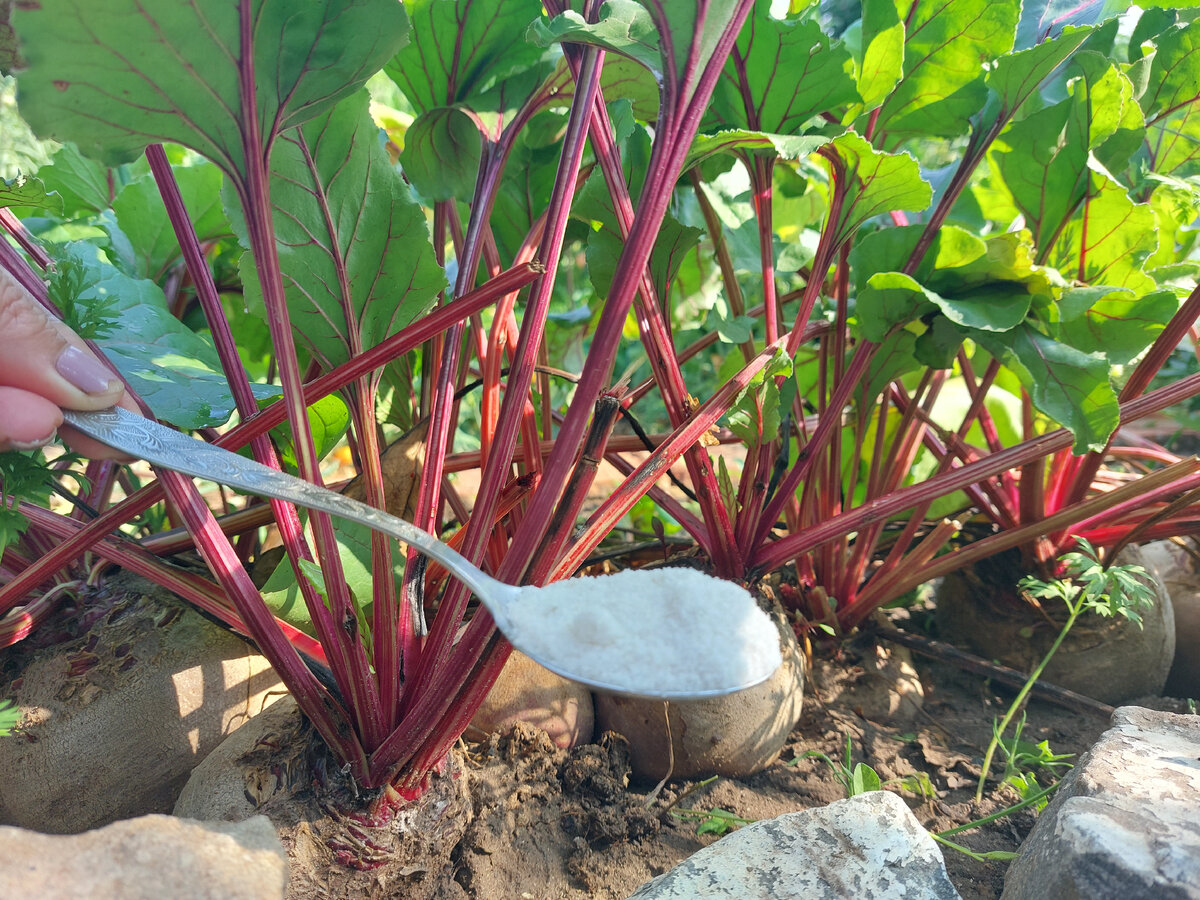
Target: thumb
41, 355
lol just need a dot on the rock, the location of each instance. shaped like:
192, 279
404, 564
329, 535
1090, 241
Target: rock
531, 693
1108, 659
734, 735
1177, 569
1123, 822
869, 846
148, 858
114, 720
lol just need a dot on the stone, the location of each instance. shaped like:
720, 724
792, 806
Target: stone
115, 719
734, 735
1124, 821
869, 846
1178, 570
147, 858
530, 693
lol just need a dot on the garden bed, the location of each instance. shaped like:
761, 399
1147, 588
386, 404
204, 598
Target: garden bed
543, 826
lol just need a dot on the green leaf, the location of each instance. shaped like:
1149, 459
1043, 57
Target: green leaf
624, 27
754, 416
81, 183
1069, 386
757, 93
1015, 77
282, 594
875, 183
743, 141
882, 61
461, 49
142, 216
670, 247
328, 420
24, 191
728, 491
175, 371
863, 780
889, 299
1047, 158
946, 48
1116, 322
10, 714
116, 76
1169, 101
1107, 241
353, 243
441, 155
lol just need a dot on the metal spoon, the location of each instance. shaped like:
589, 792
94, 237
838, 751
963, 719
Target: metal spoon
756, 645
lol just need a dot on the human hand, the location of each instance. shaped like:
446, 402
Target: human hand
46, 367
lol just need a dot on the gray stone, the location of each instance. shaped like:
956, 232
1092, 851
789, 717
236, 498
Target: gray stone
1124, 823
870, 846
149, 858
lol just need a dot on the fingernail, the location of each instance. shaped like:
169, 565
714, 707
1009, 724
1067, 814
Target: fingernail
33, 445
84, 371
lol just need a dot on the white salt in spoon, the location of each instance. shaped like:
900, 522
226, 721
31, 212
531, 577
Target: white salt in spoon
667, 634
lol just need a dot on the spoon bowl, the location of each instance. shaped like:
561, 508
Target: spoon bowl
669, 634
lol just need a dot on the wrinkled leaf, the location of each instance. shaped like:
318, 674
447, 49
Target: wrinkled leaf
143, 218
1069, 386
182, 82
172, 368
875, 183
741, 140
353, 244
758, 93
23, 191
625, 27
462, 48
946, 46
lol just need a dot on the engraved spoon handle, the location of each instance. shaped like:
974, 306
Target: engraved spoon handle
162, 446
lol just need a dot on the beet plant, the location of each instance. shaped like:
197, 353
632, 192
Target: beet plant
915, 271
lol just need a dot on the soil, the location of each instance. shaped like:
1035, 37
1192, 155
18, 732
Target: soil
516, 816
549, 823
561, 824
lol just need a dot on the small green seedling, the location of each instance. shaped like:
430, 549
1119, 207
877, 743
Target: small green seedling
1089, 586
712, 821
10, 717
859, 778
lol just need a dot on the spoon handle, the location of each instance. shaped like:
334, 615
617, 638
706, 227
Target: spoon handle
162, 446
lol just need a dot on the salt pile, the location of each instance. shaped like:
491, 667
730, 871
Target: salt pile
658, 631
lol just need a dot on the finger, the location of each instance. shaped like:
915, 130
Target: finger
43, 356
27, 420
